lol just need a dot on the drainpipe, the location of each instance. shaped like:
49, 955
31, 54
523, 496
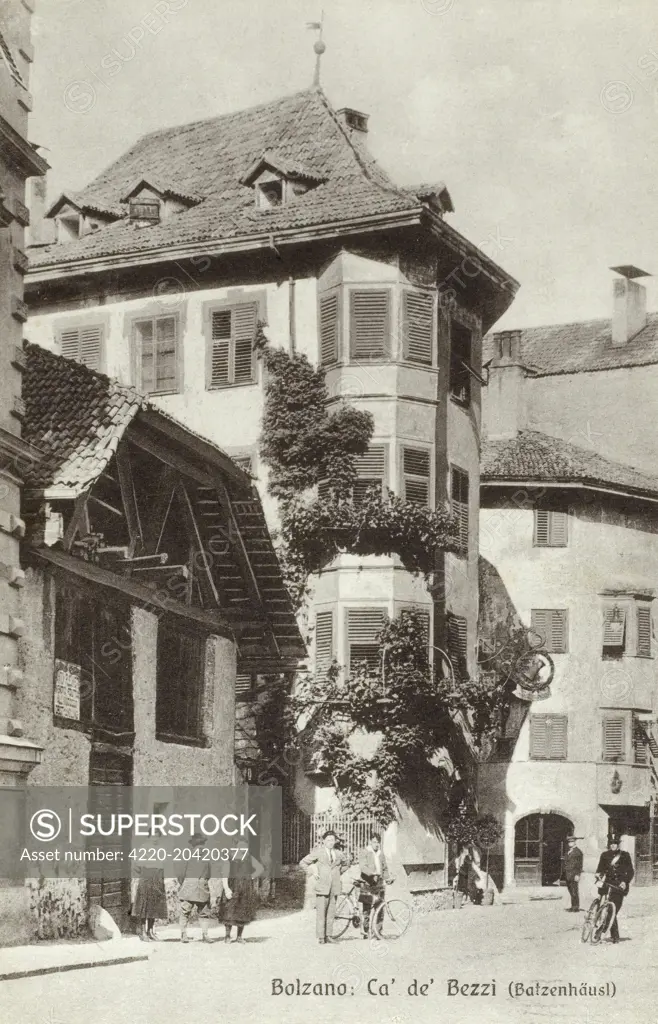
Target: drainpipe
291, 314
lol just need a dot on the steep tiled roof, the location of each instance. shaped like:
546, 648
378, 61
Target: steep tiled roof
75, 416
583, 346
209, 158
532, 456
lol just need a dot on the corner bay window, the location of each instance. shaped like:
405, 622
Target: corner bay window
180, 683
156, 354
363, 628
370, 324
370, 314
416, 475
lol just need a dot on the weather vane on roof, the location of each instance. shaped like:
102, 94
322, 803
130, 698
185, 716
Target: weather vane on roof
319, 46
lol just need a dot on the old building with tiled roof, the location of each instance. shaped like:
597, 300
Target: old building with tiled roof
569, 540
279, 214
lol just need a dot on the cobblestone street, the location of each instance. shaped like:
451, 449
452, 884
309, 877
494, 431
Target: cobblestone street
527, 944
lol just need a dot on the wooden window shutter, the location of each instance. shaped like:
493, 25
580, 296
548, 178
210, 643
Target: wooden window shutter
457, 638
614, 735
232, 333
416, 475
548, 737
640, 742
424, 617
541, 527
552, 624
363, 628
459, 499
614, 628
324, 642
166, 370
370, 471
220, 331
550, 528
83, 344
244, 686
329, 328
418, 326
244, 332
370, 324
643, 631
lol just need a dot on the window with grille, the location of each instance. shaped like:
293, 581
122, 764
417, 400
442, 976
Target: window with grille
552, 625
614, 737
614, 632
643, 648
244, 686
370, 324
84, 344
550, 528
179, 683
459, 502
232, 333
548, 737
416, 475
363, 628
370, 471
329, 328
457, 639
157, 354
460, 362
324, 642
417, 326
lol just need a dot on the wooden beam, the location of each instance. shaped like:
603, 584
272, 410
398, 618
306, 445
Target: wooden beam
206, 582
127, 487
149, 444
245, 563
205, 451
78, 519
154, 600
161, 503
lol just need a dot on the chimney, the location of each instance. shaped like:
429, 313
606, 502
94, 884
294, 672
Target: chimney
629, 311
354, 121
503, 406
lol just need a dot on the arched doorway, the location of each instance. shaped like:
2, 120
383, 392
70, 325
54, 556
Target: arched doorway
540, 848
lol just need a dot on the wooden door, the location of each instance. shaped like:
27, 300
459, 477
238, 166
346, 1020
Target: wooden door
109, 769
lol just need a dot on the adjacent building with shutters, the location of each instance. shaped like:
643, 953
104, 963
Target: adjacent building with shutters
280, 215
569, 541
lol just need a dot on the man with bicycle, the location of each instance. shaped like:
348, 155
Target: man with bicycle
616, 870
374, 873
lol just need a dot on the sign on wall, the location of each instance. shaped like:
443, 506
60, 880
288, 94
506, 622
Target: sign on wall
68, 678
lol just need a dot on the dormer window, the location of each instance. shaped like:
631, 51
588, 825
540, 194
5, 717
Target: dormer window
270, 193
145, 210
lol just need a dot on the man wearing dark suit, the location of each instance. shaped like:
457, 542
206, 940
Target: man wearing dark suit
328, 865
615, 867
374, 873
573, 869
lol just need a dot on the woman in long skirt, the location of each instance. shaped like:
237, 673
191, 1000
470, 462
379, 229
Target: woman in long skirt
150, 901
240, 910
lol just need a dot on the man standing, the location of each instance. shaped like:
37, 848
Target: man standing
615, 868
374, 873
573, 869
328, 865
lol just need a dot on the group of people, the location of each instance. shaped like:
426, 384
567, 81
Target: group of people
235, 908
615, 869
328, 863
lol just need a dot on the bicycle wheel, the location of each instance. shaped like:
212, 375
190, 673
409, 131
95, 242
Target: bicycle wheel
603, 921
391, 919
344, 914
588, 923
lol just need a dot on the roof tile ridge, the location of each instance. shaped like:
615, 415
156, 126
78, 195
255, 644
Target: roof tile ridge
589, 453
396, 190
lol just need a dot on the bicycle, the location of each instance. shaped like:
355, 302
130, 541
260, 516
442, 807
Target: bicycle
600, 916
388, 919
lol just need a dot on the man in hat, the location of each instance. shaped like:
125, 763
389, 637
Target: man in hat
194, 892
573, 869
615, 868
328, 865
